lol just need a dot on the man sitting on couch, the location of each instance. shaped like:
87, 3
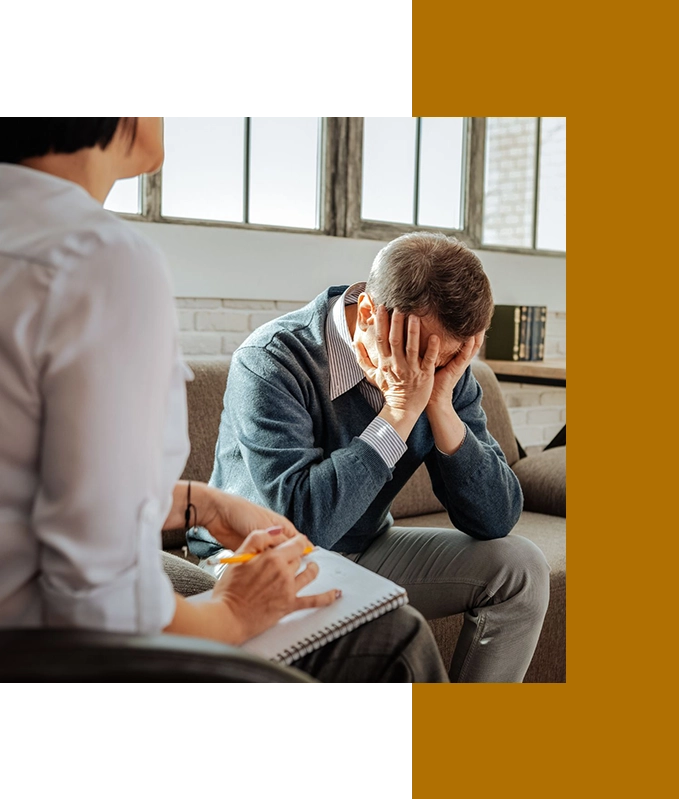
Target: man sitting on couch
330, 409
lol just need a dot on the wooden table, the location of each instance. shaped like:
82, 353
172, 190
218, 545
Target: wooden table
550, 372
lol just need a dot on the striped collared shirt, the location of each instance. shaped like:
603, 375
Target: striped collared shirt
345, 373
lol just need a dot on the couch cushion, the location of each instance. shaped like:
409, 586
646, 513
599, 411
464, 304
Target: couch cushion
493, 403
187, 579
543, 481
416, 497
205, 397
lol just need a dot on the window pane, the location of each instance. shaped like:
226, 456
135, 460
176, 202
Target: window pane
552, 186
124, 197
441, 140
510, 181
284, 171
203, 169
388, 169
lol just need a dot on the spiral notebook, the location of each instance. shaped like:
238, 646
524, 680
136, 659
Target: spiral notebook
365, 596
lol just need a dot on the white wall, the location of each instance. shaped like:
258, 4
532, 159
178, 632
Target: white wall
263, 265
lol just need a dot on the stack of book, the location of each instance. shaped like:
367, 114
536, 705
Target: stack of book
517, 333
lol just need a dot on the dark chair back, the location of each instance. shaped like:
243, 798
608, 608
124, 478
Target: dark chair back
88, 656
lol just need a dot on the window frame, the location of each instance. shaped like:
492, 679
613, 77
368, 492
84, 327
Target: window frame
340, 191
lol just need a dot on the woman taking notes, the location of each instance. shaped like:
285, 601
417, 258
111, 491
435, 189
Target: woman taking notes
93, 428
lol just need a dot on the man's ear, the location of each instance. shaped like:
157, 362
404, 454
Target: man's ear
365, 314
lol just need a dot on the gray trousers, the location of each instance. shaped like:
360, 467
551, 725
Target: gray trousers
396, 647
501, 586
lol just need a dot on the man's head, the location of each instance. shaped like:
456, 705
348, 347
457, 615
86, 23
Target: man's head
435, 277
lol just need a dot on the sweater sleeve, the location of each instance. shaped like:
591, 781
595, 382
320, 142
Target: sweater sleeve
480, 492
265, 411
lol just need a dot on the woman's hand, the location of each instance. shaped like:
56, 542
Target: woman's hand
231, 519
260, 592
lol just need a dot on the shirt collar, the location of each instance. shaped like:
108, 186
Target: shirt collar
345, 373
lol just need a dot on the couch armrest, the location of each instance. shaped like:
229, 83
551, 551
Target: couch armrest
543, 481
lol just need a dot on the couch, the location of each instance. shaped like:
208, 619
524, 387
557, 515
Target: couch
542, 477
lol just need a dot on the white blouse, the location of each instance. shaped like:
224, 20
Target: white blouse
93, 423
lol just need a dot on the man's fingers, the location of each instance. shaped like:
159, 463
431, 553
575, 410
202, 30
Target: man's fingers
382, 331
413, 342
432, 353
363, 358
396, 337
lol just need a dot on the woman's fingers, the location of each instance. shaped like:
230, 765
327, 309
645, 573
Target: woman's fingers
261, 540
293, 549
315, 600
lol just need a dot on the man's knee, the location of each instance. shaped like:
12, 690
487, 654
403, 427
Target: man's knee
518, 568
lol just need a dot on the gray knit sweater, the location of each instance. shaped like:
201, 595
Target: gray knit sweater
285, 444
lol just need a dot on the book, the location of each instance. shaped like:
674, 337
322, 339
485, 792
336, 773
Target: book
502, 338
523, 333
543, 333
530, 336
365, 596
516, 333
537, 336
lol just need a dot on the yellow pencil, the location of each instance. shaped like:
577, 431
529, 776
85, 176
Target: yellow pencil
245, 557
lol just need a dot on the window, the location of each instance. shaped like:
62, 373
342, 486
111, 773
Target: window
412, 170
125, 197
260, 170
204, 168
497, 182
525, 182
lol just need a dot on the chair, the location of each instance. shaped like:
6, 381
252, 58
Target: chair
41, 655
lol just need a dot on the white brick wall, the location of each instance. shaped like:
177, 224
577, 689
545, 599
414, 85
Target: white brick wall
214, 328
537, 413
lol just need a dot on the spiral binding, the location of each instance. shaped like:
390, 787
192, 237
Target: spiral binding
340, 628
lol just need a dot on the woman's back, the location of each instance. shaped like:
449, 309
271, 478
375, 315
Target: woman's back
87, 461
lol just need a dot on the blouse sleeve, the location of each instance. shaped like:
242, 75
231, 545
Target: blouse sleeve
107, 352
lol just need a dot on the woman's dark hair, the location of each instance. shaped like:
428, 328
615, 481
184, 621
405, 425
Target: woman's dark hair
28, 137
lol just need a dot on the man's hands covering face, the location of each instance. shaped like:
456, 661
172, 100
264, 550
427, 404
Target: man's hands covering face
449, 375
405, 379
411, 384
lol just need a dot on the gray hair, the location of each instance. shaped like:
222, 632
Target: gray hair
430, 274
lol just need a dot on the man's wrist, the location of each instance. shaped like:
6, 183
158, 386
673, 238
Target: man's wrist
448, 429
401, 419
441, 410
